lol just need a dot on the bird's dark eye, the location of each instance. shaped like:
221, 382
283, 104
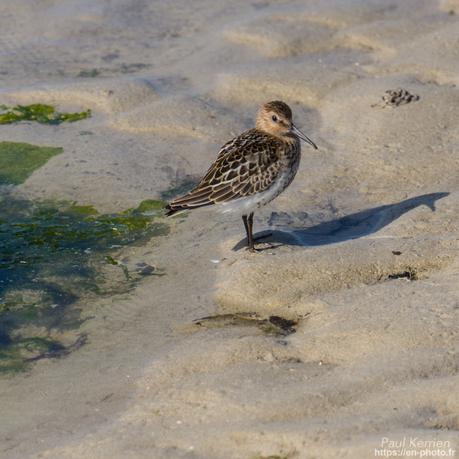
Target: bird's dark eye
274, 118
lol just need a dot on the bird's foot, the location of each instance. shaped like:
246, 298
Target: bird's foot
263, 248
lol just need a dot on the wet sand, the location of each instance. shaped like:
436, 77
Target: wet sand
363, 255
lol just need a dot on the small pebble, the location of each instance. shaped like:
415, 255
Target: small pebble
146, 270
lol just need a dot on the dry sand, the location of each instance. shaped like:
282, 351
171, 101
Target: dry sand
372, 358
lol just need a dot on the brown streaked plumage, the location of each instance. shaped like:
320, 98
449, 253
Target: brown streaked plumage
251, 169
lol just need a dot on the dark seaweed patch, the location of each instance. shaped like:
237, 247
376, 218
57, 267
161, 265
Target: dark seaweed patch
410, 274
285, 325
273, 325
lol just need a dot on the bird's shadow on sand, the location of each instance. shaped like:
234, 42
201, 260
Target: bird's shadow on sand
345, 228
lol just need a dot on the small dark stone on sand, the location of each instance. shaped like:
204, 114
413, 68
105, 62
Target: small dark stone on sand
284, 324
146, 270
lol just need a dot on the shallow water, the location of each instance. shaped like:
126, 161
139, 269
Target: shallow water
54, 254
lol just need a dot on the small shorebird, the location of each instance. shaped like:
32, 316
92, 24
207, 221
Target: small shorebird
251, 169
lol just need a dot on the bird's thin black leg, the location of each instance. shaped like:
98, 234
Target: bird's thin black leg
258, 238
246, 226
250, 233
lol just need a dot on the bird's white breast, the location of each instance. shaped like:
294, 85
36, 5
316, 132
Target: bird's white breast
249, 204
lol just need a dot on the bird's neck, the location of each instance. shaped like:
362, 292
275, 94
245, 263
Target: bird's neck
291, 139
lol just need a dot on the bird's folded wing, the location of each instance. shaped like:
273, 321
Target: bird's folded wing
245, 166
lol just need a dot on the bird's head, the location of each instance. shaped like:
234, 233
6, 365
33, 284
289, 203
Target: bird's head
276, 118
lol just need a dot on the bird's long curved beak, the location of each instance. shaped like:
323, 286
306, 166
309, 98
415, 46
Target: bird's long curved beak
303, 137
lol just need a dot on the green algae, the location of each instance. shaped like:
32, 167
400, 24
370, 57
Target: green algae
111, 261
53, 254
19, 160
150, 205
41, 113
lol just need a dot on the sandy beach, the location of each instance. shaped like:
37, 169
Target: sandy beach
340, 339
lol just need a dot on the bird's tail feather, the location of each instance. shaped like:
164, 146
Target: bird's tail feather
170, 211
173, 209
199, 197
